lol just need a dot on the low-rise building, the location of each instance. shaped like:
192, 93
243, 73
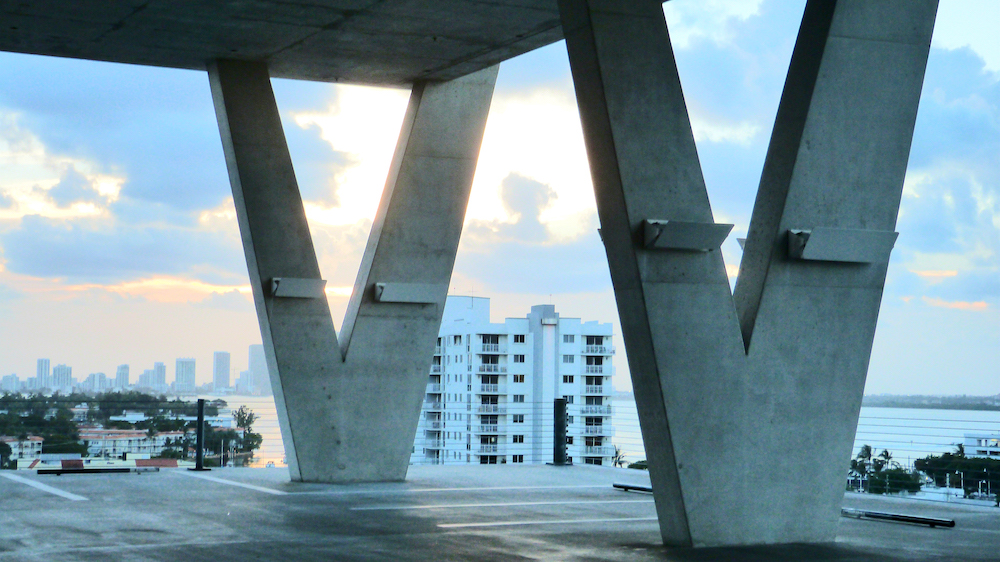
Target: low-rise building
115, 442
982, 445
28, 448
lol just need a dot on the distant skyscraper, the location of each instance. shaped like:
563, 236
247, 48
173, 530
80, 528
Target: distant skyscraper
10, 384
62, 377
160, 377
147, 379
121, 377
95, 382
220, 370
42, 377
184, 380
260, 382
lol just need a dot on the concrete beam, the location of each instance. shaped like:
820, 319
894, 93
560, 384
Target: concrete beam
350, 417
781, 413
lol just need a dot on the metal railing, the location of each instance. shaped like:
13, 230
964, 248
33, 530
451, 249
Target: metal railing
491, 409
435, 368
594, 389
494, 449
492, 368
434, 444
434, 424
599, 350
434, 388
492, 428
428, 405
491, 348
593, 409
437, 350
599, 451
595, 369
598, 430
492, 389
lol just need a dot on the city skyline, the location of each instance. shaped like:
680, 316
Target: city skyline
185, 370
116, 210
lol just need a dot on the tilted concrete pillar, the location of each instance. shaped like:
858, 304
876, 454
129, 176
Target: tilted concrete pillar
748, 411
348, 411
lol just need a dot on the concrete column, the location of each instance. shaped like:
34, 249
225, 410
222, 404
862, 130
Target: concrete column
351, 416
749, 444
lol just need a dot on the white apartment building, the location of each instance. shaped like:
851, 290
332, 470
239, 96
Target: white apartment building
28, 448
982, 445
492, 386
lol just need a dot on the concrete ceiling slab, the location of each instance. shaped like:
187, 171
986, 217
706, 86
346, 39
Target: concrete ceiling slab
386, 42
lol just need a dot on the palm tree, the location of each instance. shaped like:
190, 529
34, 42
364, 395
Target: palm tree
619, 458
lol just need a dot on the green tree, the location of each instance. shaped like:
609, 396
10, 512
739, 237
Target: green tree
244, 418
5, 453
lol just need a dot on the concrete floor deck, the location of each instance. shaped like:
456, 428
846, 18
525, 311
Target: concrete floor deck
440, 513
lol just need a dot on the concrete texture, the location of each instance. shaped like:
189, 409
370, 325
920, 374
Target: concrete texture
391, 42
520, 513
780, 398
348, 411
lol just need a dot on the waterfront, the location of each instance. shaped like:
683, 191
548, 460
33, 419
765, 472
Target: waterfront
908, 433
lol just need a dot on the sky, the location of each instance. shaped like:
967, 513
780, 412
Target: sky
119, 243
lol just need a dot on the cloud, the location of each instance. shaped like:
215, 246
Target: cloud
958, 305
971, 24
98, 251
73, 187
524, 199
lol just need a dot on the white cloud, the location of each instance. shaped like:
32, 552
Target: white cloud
970, 23
693, 19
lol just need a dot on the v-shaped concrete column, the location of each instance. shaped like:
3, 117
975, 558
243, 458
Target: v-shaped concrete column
748, 438
348, 411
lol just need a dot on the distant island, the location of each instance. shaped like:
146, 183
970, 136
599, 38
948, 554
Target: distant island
932, 402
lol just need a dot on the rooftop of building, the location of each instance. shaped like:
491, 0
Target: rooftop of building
531, 512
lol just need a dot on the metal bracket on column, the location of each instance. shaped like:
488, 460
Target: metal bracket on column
680, 235
413, 293
288, 287
841, 245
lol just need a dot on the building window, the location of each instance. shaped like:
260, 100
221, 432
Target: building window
568, 399
518, 338
592, 460
568, 379
518, 458
517, 418
518, 398
456, 340
569, 439
518, 439
569, 420
569, 338
518, 378
568, 359
519, 359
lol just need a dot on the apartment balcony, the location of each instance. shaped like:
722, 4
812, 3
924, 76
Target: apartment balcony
432, 406
436, 369
434, 388
590, 369
491, 348
492, 389
599, 350
496, 449
434, 444
606, 430
437, 350
492, 368
597, 389
434, 424
599, 451
491, 409
491, 428
433, 460
598, 410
